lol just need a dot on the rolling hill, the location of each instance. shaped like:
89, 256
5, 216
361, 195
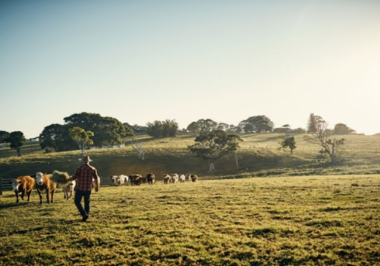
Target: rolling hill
259, 155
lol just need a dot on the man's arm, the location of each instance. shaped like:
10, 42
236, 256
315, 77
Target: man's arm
96, 177
73, 177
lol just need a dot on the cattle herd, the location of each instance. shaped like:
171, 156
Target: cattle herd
43, 183
137, 179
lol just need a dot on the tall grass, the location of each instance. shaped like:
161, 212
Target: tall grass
314, 220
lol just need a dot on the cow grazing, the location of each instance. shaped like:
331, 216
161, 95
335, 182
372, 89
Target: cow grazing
44, 183
23, 184
167, 178
174, 178
182, 178
94, 184
126, 178
68, 189
117, 180
188, 177
194, 178
150, 178
136, 179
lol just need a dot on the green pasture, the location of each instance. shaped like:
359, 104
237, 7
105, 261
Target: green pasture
259, 155
304, 220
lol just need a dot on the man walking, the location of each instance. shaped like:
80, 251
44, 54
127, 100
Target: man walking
84, 176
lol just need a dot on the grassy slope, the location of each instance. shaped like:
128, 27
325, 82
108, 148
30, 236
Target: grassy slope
259, 155
315, 220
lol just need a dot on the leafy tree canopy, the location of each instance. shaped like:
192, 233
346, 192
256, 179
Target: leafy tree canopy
207, 125
81, 137
16, 140
214, 145
162, 129
57, 136
107, 130
3, 136
342, 129
312, 123
194, 127
290, 143
257, 124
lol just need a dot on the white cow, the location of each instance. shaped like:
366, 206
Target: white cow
118, 180
182, 178
174, 178
68, 189
126, 178
94, 184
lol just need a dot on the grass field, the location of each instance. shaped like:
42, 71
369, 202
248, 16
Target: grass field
259, 156
305, 220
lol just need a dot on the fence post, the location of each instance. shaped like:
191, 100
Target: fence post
1, 186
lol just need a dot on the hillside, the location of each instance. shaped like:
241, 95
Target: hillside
259, 156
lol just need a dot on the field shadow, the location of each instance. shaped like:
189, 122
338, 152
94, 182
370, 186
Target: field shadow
49, 228
12, 205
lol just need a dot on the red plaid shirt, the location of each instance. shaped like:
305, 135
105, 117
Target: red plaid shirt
83, 176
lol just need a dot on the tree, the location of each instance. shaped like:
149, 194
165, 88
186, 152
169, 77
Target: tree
285, 129
312, 124
81, 137
248, 128
160, 129
139, 148
332, 147
299, 131
232, 129
342, 129
56, 136
170, 128
223, 126
155, 129
207, 125
214, 145
194, 127
16, 140
290, 143
257, 124
107, 130
3, 136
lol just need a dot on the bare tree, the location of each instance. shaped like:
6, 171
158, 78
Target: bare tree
333, 147
139, 148
236, 160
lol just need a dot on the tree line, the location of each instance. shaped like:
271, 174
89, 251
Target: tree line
216, 144
84, 130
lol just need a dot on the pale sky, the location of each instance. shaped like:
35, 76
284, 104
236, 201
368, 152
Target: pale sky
141, 61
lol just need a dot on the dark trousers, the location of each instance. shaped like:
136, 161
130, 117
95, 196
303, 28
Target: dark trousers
79, 194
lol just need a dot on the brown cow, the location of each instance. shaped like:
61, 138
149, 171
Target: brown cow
167, 178
136, 179
23, 184
44, 183
191, 177
150, 178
